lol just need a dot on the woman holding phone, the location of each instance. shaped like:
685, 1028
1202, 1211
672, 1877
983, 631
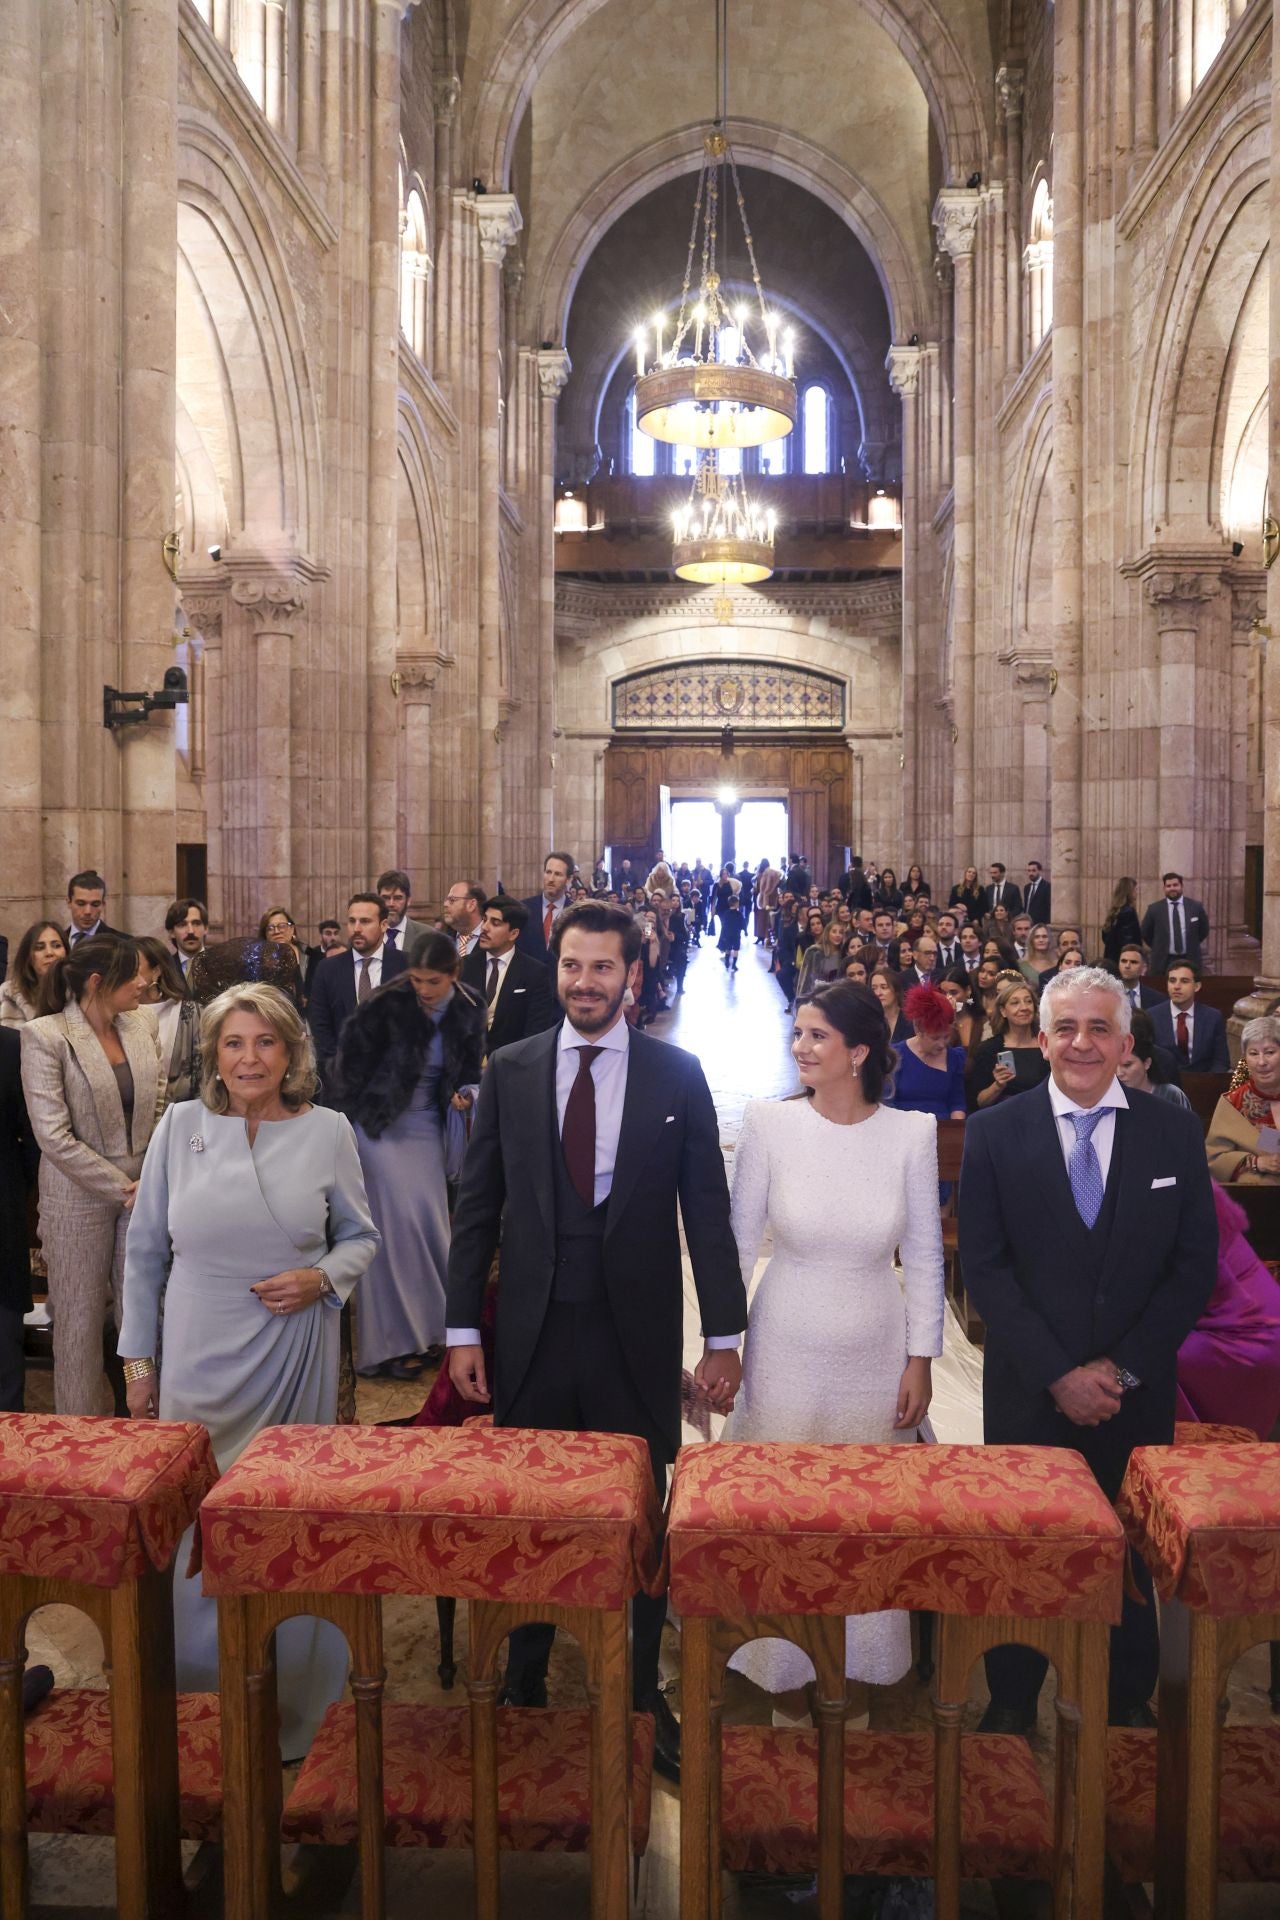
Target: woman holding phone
1011, 1061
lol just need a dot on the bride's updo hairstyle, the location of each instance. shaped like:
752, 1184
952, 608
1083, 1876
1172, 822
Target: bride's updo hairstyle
858, 1018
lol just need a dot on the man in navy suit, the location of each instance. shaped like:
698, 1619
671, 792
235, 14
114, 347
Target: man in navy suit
1089, 1243
1131, 964
341, 984
515, 987
545, 908
1038, 898
1001, 892
1196, 1036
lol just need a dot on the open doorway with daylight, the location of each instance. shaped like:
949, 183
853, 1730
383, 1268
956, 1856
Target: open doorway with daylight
695, 834
760, 833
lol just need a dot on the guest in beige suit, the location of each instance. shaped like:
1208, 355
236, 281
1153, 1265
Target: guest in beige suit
93, 1080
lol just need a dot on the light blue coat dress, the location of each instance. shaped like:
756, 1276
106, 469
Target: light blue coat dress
213, 1215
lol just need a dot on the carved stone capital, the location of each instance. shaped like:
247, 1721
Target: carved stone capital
1010, 87
203, 613
273, 603
554, 368
1030, 669
903, 367
499, 219
955, 215
416, 674
1178, 594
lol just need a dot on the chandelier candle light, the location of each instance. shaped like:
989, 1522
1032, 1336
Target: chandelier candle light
723, 537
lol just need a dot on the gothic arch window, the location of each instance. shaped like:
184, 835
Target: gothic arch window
815, 428
1038, 265
415, 270
642, 448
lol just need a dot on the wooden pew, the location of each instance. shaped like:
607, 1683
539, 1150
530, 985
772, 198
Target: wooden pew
1204, 1090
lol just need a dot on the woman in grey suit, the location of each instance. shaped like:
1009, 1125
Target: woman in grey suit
253, 1224
93, 1083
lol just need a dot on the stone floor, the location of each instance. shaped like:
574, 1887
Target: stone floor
739, 1027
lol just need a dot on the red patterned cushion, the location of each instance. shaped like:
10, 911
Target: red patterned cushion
1207, 1433
770, 1804
1207, 1522
1248, 1807
841, 1529
480, 1513
97, 1501
70, 1778
544, 1779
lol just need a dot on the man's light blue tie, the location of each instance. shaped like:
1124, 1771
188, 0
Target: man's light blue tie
1083, 1167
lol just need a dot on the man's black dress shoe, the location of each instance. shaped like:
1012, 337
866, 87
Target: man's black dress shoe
525, 1693
1006, 1720
666, 1737
1131, 1716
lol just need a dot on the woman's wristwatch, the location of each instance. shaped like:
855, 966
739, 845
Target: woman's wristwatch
138, 1370
327, 1289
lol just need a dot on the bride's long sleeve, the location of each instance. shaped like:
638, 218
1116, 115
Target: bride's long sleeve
749, 1198
920, 1247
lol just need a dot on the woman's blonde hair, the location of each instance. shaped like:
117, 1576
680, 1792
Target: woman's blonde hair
300, 1079
1005, 990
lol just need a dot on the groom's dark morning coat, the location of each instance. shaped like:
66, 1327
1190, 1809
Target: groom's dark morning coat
668, 1147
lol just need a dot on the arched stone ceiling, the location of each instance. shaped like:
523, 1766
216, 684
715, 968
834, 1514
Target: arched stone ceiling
810, 264
630, 74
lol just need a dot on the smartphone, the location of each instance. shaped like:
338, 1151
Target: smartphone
1005, 1059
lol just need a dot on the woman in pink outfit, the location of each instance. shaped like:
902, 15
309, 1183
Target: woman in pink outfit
1229, 1364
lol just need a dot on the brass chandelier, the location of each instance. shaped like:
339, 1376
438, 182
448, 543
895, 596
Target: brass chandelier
726, 380
723, 537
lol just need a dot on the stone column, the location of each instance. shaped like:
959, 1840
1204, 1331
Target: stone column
903, 364
148, 383
554, 368
498, 219
955, 216
384, 390
273, 604
204, 610
414, 683
447, 90
310, 100
1009, 86
1144, 83
1066, 745
21, 890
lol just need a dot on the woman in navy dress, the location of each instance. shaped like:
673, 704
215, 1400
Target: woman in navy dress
929, 1076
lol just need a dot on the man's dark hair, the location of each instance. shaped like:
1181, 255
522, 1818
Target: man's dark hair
1132, 946
368, 900
476, 894
180, 909
88, 881
597, 916
395, 881
335, 924
999, 866
1181, 960
513, 911
1170, 876
566, 860
1036, 863
883, 913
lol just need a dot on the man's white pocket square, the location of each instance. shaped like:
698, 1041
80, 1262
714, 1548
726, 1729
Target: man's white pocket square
519, 989
1170, 1180
671, 1120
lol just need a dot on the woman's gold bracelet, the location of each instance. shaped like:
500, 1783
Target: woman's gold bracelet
139, 1369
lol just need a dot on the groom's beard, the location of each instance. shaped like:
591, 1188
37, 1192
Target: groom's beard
592, 1010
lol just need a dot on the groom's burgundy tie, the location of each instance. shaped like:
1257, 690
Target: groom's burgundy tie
579, 1135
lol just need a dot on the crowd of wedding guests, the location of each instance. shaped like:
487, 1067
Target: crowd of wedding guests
221, 1143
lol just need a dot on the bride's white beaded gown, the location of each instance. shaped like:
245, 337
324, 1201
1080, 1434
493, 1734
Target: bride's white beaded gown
832, 1322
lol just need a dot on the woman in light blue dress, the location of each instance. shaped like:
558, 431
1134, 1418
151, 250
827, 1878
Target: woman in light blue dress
252, 1225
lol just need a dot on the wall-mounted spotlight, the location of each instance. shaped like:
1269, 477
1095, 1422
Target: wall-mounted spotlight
1237, 548
122, 709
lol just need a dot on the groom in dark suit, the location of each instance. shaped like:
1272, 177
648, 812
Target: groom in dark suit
585, 1138
1089, 1241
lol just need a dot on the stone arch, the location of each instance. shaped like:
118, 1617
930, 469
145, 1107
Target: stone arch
421, 573
1030, 538
786, 154
244, 381
917, 27
1217, 256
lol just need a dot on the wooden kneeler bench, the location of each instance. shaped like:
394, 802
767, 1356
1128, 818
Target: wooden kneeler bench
1004, 1544
1192, 1803
91, 1514
523, 1526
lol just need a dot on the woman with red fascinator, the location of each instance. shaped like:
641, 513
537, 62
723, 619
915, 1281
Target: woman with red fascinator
929, 1077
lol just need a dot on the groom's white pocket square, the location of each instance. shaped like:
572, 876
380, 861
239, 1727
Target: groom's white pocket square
1170, 1180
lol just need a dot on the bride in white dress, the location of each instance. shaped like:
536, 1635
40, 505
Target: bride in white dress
838, 1344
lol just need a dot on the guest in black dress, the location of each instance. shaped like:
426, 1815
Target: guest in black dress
1122, 927
968, 894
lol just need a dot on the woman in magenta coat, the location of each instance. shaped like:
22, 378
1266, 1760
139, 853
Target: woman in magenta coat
1229, 1364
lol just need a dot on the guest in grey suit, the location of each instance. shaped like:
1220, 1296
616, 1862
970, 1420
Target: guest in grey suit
252, 1222
398, 930
93, 1080
1175, 928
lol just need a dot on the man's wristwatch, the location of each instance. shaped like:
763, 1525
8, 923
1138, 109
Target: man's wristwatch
1125, 1380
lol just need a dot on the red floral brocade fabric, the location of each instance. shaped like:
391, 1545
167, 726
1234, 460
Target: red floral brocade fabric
769, 1805
544, 1779
97, 1501
1207, 1433
479, 1513
1207, 1522
844, 1529
1248, 1804
71, 1774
